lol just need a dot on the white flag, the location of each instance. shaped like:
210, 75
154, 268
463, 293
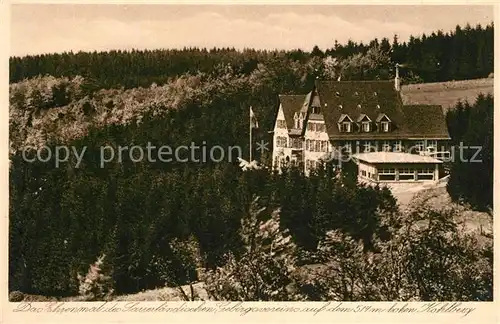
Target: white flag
253, 120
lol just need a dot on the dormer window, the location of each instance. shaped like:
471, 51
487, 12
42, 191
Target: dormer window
365, 122
316, 110
346, 127
345, 123
366, 126
281, 123
384, 126
384, 123
297, 121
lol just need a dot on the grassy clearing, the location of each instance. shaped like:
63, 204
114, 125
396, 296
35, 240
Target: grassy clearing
446, 94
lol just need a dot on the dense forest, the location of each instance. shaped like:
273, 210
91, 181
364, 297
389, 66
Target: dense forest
464, 53
471, 127
246, 234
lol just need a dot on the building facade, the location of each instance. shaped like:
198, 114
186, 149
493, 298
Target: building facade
348, 117
395, 167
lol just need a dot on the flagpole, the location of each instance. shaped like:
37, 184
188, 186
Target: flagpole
250, 133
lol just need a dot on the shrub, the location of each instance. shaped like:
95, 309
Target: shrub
16, 296
95, 285
263, 271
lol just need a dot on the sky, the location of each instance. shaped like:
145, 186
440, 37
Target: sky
49, 28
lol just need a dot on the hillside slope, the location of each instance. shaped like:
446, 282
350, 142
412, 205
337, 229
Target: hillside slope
445, 94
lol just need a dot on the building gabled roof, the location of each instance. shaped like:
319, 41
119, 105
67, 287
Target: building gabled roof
291, 104
363, 116
426, 121
370, 94
344, 116
382, 116
374, 99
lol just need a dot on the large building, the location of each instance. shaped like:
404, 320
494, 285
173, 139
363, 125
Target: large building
353, 117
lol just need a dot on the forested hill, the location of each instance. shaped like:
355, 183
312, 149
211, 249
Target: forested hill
157, 222
92, 90
465, 53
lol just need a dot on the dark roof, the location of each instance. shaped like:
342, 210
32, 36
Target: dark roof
361, 97
381, 116
291, 104
426, 121
373, 99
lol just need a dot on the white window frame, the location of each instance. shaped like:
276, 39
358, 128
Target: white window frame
346, 127
386, 171
366, 126
406, 172
386, 146
385, 126
367, 146
431, 143
281, 141
426, 170
420, 146
348, 147
398, 147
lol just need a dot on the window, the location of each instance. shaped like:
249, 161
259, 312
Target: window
386, 174
316, 127
316, 110
432, 145
347, 147
425, 174
298, 122
346, 127
367, 146
317, 146
296, 143
386, 146
281, 141
406, 174
385, 126
425, 171
281, 123
366, 127
324, 146
419, 146
397, 146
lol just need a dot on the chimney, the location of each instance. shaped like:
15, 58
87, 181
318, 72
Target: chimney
397, 81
